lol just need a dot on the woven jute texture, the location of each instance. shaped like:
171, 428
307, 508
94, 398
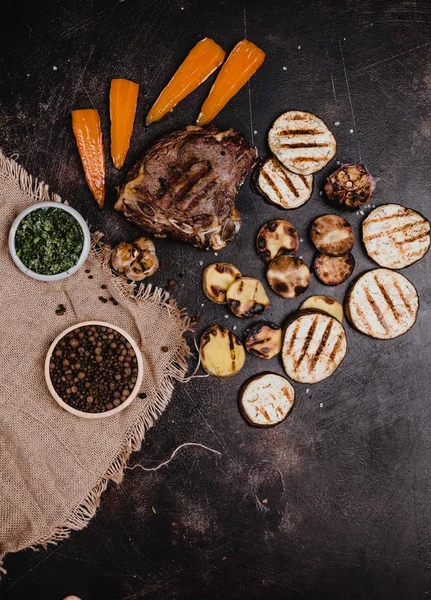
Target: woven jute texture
54, 466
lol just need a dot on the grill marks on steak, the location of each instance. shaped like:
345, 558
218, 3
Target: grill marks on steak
185, 186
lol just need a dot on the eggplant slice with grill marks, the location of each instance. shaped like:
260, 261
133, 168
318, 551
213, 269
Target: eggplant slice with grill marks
333, 270
246, 297
282, 187
276, 238
301, 142
288, 276
332, 234
382, 304
266, 399
325, 304
222, 353
395, 237
216, 279
263, 340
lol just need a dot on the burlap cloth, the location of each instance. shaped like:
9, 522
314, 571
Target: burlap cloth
54, 466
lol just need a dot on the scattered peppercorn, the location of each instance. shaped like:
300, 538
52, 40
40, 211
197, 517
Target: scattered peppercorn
87, 270
103, 299
165, 349
60, 310
90, 277
172, 282
103, 286
142, 395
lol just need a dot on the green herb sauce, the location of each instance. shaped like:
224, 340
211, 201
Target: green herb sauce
49, 241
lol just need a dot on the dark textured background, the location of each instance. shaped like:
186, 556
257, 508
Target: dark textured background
347, 476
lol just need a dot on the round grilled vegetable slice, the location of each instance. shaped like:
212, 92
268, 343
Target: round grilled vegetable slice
394, 236
350, 187
276, 238
288, 276
301, 142
332, 235
325, 304
266, 399
382, 304
263, 340
333, 270
216, 279
314, 345
222, 353
246, 297
280, 186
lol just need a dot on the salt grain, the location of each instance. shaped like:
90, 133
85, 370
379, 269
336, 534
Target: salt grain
215, 253
301, 240
202, 304
54, 68
321, 405
201, 262
320, 193
351, 130
255, 131
337, 123
226, 316
361, 212
299, 47
307, 390
234, 327
284, 68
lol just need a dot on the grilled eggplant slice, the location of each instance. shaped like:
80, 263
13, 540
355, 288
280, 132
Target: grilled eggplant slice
276, 238
222, 353
216, 279
314, 345
263, 340
288, 276
282, 187
350, 187
395, 237
246, 297
266, 399
333, 270
332, 235
325, 304
382, 304
301, 142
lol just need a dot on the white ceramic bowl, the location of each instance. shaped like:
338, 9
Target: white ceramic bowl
116, 409
85, 247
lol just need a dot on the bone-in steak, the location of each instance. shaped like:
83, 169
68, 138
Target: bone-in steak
185, 186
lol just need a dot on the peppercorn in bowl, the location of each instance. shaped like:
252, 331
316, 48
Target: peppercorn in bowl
94, 369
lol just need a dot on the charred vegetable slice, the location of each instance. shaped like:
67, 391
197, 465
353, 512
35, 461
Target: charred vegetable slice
332, 235
394, 236
135, 261
333, 270
350, 186
276, 238
221, 352
314, 345
280, 186
301, 142
382, 304
288, 276
246, 297
325, 304
263, 340
216, 279
266, 400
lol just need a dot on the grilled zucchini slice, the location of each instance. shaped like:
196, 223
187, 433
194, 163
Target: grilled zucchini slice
301, 142
282, 187
333, 270
266, 399
276, 238
263, 340
246, 297
216, 279
382, 304
325, 304
222, 353
332, 235
314, 345
395, 237
288, 276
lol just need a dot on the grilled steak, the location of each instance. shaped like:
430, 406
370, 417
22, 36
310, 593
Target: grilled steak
185, 186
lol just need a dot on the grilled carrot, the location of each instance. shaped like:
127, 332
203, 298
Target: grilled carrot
201, 61
86, 127
123, 99
241, 64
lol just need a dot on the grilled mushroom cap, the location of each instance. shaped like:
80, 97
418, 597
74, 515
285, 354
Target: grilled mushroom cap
332, 235
221, 352
281, 187
350, 186
216, 279
288, 276
263, 340
333, 270
276, 238
246, 297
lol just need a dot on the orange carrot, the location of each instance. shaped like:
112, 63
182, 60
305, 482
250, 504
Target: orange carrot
86, 127
241, 64
123, 99
201, 61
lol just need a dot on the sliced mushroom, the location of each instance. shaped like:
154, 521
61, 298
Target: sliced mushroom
288, 276
135, 261
221, 352
332, 235
276, 238
325, 304
246, 297
263, 340
333, 270
216, 279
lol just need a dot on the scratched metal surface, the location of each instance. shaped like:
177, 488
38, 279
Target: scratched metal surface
346, 479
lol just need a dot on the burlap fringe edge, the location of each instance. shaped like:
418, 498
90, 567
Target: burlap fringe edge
130, 292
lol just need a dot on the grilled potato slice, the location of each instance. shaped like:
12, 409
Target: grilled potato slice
333, 270
325, 304
216, 280
246, 297
276, 238
282, 187
288, 276
266, 399
314, 345
301, 142
382, 304
395, 237
222, 354
332, 235
263, 340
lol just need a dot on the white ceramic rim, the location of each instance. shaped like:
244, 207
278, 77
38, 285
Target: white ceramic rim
85, 248
113, 411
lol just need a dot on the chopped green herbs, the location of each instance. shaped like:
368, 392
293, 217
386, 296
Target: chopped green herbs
49, 241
